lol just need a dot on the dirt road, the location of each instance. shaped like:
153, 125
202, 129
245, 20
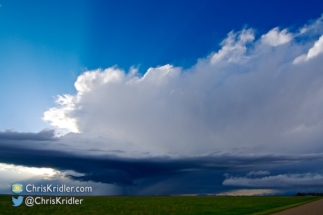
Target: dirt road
313, 208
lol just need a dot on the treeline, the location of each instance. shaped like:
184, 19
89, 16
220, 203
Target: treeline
309, 194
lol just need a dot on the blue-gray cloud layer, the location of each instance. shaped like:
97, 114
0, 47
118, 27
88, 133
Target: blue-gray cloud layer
44, 135
167, 175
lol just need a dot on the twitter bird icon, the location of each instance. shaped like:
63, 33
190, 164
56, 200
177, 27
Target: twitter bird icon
17, 201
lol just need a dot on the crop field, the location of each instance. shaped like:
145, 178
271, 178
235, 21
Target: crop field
163, 205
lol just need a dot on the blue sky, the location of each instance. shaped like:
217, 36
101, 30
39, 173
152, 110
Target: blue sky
166, 79
45, 46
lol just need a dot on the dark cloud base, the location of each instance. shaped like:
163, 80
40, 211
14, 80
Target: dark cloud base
44, 135
162, 175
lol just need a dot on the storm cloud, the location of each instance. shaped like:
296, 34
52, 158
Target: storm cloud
145, 172
257, 93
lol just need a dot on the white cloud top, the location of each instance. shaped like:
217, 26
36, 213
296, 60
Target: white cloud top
316, 50
275, 37
234, 47
59, 118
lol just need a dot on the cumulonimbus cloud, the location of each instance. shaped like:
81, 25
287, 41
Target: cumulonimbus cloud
248, 96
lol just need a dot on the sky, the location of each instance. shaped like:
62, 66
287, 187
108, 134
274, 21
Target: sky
145, 98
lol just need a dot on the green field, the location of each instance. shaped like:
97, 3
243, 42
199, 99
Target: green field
161, 205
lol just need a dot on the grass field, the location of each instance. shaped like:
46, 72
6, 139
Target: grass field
161, 205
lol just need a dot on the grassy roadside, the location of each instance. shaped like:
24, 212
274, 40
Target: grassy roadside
279, 209
257, 205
